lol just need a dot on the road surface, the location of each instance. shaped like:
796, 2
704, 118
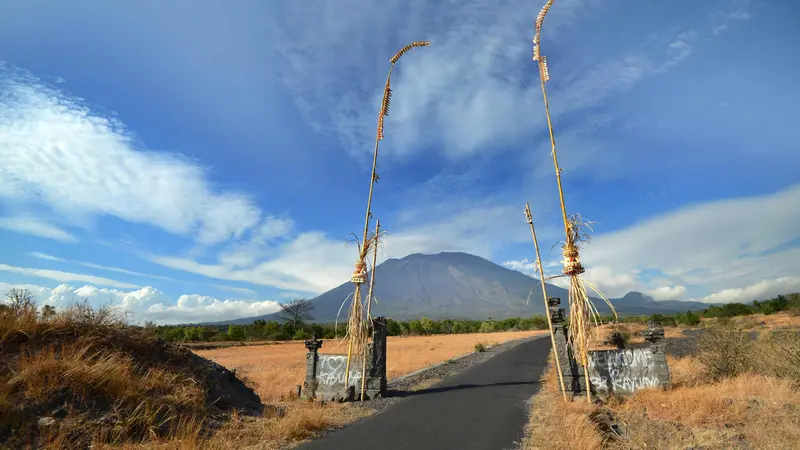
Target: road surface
481, 408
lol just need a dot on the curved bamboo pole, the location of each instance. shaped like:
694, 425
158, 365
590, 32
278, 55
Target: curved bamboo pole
361, 264
575, 282
529, 218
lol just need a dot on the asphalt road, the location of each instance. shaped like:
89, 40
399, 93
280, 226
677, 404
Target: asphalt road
482, 408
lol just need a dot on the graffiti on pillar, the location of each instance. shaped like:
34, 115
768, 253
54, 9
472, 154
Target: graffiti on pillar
627, 371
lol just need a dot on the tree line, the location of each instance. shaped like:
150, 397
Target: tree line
296, 321
297, 316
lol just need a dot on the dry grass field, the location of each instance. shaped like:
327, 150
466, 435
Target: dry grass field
276, 369
735, 393
757, 322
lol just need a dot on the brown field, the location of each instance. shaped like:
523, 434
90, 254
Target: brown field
277, 369
754, 322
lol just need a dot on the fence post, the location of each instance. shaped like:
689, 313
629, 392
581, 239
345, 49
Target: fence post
312, 358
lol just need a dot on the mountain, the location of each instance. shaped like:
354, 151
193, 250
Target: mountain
462, 286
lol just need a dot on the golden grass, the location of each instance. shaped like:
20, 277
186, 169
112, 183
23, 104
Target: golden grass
102, 380
602, 333
278, 369
303, 420
757, 406
753, 322
555, 424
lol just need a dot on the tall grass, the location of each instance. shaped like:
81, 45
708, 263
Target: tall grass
727, 353
84, 376
739, 391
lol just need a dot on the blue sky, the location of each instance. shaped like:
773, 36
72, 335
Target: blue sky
199, 161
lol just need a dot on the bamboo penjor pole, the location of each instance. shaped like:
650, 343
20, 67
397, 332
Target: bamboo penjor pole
355, 326
529, 218
578, 299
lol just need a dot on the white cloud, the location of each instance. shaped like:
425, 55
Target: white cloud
474, 89
313, 263
523, 265
149, 303
201, 308
667, 292
35, 227
57, 152
763, 289
725, 244
47, 257
64, 276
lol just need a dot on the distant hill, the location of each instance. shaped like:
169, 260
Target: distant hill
462, 286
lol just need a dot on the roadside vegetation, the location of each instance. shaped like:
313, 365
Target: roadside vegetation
739, 387
82, 378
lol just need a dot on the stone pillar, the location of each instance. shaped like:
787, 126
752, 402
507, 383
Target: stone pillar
655, 337
376, 366
312, 358
574, 378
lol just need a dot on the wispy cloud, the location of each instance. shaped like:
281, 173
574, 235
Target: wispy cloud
312, 262
55, 151
65, 276
738, 11
47, 257
238, 290
35, 227
473, 90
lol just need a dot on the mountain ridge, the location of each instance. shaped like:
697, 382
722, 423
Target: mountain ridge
459, 286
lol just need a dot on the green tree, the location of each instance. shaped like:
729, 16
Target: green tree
539, 322
191, 334
428, 326
488, 326
415, 327
393, 328
237, 332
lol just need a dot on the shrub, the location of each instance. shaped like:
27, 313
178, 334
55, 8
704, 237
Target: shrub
725, 353
301, 335
480, 347
489, 326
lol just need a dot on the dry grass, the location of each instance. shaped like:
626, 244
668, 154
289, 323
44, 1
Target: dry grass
303, 420
278, 369
735, 394
602, 334
555, 424
84, 376
759, 322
